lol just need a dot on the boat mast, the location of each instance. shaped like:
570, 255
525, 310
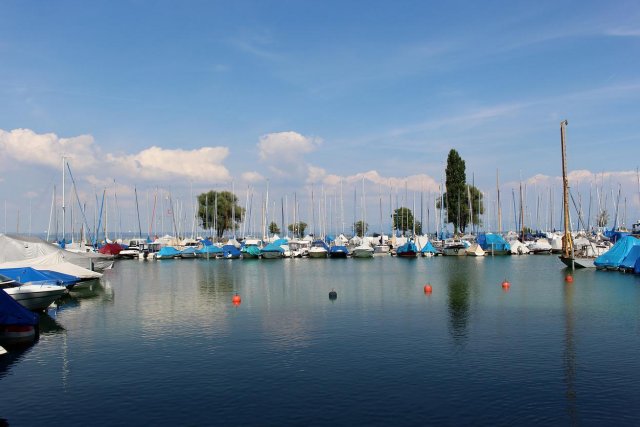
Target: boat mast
567, 240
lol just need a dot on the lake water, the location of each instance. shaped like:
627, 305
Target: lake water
160, 343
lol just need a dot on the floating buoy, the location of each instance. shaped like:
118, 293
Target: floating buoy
569, 278
333, 295
236, 300
427, 289
506, 285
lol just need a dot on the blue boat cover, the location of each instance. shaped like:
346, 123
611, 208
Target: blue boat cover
429, 248
281, 242
12, 313
274, 247
339, 249
207, 242
407, 248
210, 249
629, 261
28, 274
614, 256
320, 244
490, 241
189, 250
62, 278
230, 251
636, 269
168, 252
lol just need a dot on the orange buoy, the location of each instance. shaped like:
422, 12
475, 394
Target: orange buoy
506, 285
236, 300
569, 278
427, 289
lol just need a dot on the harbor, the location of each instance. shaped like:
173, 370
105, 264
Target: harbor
163, 343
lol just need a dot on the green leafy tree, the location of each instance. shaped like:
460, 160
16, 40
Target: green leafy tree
273, 228
403, 220
456, 195
298, 228
219, 209
360, 228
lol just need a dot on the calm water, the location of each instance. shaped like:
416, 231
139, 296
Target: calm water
159, 343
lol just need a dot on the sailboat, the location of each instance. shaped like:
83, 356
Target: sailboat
570, 256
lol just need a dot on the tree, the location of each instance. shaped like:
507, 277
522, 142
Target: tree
360, 228
273, 228
403, 220
219, 209
603, 218
456, 195
298, 228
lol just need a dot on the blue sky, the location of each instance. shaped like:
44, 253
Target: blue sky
302, 92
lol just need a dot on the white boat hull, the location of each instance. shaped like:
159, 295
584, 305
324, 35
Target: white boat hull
317, 253
36, 297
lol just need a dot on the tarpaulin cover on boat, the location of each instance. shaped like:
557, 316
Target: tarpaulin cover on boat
26, 275
275, 246
230, 251
630, 260
636, 269
12, 313
110, 249
428, 248
618, 252
490, 241
210, 249
54, 262
168, 252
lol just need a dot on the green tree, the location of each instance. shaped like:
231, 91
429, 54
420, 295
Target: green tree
403, 220
298, 228
219, 209
456, 194
360, 228
273, 228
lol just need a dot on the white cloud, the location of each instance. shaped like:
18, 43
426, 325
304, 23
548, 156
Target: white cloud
417, 183
155, 164
283, 153
252, 177
24, 145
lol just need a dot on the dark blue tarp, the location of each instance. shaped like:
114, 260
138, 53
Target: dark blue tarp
630, 260
636, 269
230, 251
338, 250
320, 244
614, 256
408, 247
490, 241
12, 313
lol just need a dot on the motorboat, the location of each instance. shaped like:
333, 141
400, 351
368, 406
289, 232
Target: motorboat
454, 247
299, 248
338, 251
318, 249
407, 250
33, 296
539, 246
475, 250
363, 251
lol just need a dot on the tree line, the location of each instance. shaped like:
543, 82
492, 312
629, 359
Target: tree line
220, 211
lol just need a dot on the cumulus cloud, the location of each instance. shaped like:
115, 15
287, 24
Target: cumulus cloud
283, 153
24, 145
155, 163
252, 177
418, 182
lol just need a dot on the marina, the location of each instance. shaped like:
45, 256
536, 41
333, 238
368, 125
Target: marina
163, 343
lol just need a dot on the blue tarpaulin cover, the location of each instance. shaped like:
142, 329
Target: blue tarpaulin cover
230, 251
490, 241
614, 256
408, 247
12, 313
210, 249
26, 274
630, 260
275, 246
168, 252
429, 248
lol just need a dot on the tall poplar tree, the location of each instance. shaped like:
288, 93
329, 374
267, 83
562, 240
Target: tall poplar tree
456, 183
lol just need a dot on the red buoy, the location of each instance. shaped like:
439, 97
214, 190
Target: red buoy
569, 278
427, 289
506, 285
236, 300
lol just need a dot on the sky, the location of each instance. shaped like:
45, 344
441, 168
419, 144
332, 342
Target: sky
176, 98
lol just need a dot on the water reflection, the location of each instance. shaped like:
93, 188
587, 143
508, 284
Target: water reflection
569, 356
458, 302
15, 352
49, 326
90, 290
